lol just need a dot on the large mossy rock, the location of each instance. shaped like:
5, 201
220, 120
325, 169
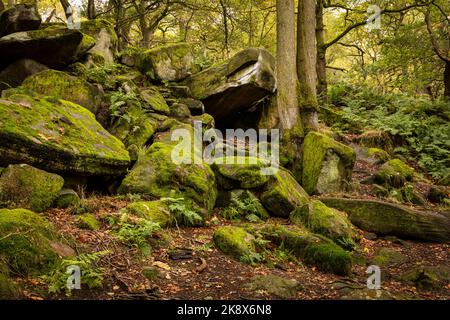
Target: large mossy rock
283, 195
21, 17
327, 164
53, 47
235, 242
154, 211
236, 84
18, 71
278, 286
328, 222
240, 172
394, 173
172, 62
105, 38
62, 85
57, 136
385, 218
313, 249
22, 186
156, 174
26, 241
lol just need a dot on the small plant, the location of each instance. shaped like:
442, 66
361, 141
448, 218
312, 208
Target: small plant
119, 105
91, 275
137, 233
240, 208
183, 213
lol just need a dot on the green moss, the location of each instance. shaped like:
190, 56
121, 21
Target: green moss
234, 241
394, 173
156, 174
313, 249
8, 289
155, 101
445, 181
427, 277
88, 221
386, 257
25, 241
379, 154
283, 195
327, 164
67, 198
329, 257
328, 222
243, 204
376, 139
61, 85
155, 211
22, 186
235, 175
59, 136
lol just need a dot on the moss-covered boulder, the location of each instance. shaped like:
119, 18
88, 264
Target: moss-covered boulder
155, 211
236, 84
154, 101
172, 62
242, 204
327, 164
235, 242
278, 286
386, 257
61, 85
328, 222
379, 155
22, 186
55, 47
384, 218
66, 198
314, 250
13, 75
21, 17
376, 139
283, 195
88, 221
57, 136
427, 277
157, 174
394, 173
104, 35
26, 241
240, 172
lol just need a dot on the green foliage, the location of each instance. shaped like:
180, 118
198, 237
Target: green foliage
120, 102
419, 127
91, 275
242, 207
137, 233
183, 213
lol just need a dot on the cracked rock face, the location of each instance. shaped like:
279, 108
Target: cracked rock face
22, 17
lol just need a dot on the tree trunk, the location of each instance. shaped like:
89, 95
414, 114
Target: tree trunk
321, 65
447, 79
2, 6
91, 9
225, 28
287, 100
306, 63
68, 11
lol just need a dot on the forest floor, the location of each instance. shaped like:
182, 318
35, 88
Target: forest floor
206, 273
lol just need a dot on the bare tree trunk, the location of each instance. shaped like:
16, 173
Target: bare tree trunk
447, 79
287, 99
68, 11
91, 14
306, 63
225, 28
321, 65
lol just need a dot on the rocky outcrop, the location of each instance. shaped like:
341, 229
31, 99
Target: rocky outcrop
236, 242
18, 71
22, 186
385, 218
327, 164
173, 62
236, 84
105, 38
65, 46
57, 136
22, 17
64, 86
